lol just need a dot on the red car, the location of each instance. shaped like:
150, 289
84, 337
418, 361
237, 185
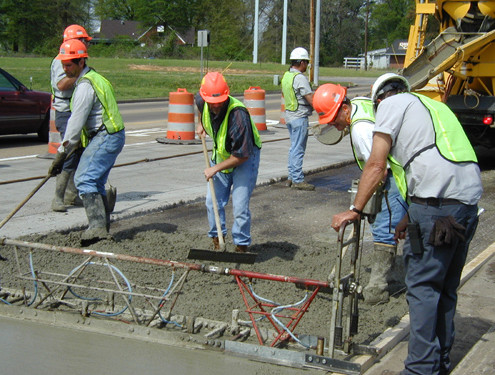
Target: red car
23, 111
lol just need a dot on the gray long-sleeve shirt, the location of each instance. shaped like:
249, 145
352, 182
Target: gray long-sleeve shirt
87, 112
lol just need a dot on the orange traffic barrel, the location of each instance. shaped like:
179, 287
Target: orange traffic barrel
282, 111
54, 138
254, 100
181, 116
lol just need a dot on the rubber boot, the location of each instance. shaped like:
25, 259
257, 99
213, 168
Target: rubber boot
383, 259
71, 197
61, 185
97, 218
108, 210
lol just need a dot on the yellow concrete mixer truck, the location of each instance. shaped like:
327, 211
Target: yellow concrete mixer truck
458, 66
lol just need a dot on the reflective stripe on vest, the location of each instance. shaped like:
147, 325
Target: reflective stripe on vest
104, 91
220, 152
364, 112
291, 103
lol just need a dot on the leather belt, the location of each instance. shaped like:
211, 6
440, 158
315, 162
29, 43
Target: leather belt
436, 202
93, 133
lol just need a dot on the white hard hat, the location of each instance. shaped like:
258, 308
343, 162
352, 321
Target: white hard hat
387, 82
299, 53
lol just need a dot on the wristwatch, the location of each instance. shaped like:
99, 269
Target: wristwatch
353, 208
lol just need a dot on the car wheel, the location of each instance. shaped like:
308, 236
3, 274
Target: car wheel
44, 128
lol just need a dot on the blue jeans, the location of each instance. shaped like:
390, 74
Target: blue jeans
298, 133
384, 225
96, 162
242, 181
61, 119
432, 279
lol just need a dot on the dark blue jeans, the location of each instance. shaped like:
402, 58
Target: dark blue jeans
432, 279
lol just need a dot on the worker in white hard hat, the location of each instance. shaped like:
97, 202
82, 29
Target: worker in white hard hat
443, 186
298, 97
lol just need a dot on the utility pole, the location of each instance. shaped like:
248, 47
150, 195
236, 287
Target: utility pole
284, 34
366, 35
256, 27
311, 38
316, 61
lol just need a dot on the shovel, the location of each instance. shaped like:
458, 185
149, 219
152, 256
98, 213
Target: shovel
222, 255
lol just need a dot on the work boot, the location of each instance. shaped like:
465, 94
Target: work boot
71, 196
383, 259
97, 218
302, 186
108, 210
61, 185
111, 197
241, 249
288, 183
216, 243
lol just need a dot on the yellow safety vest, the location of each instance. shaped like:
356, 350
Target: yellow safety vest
364, 112
450, 139
291, 103
220, 152
111, 115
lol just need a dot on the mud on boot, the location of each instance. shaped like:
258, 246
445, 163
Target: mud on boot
94, 204
60, 187
71, 197
383, 259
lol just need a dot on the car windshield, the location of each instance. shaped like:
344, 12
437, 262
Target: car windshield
5, 84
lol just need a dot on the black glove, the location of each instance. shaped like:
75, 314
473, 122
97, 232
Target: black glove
445, 231
57, 164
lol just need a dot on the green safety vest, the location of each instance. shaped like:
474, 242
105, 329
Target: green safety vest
220, 152
364, 112
450, 139
291, 103
111, 115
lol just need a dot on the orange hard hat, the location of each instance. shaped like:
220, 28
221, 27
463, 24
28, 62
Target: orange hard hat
327, 101
214, 88
75, 32
72, 49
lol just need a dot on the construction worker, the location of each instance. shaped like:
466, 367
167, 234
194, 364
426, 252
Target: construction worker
443, 186
95, 122
335, 108
235, 158
62, 88
298, 97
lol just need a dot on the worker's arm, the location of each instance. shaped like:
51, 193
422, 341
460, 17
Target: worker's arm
66, 83
372, 175
231, 162
309, 98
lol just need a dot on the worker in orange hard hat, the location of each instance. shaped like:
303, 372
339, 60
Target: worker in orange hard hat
356, 116
235, 159
96, 123
62, 89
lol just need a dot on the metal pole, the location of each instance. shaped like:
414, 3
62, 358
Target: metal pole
256, 26
284, 33
316, 61
311, 37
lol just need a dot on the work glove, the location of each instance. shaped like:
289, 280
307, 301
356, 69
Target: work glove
57, 164
445, 231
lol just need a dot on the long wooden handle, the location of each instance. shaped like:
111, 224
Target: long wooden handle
9, 216
221, 241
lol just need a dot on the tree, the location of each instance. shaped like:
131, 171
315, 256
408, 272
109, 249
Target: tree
37, 25
390, 20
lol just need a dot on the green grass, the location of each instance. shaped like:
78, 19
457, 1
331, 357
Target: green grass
156, 78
